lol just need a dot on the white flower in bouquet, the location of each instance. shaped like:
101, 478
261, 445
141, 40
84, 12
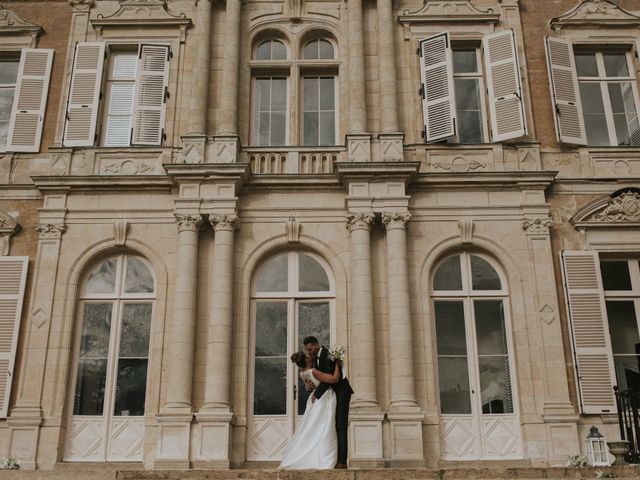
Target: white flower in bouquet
337, 353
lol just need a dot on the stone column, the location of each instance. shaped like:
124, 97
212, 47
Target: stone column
214, 418
175, 417
199, 103
404, 414
366, 417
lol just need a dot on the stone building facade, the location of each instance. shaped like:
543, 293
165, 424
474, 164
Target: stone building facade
448, 188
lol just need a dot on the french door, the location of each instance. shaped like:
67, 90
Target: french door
293, 298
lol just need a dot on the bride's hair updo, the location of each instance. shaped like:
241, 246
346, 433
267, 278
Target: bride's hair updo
300, 359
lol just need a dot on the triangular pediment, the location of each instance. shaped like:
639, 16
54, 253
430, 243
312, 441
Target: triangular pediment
140, 13
449, 11
621, 208
596, 12
11, 22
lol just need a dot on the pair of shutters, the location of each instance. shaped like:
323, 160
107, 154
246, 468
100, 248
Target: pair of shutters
149, 99
504, 87
30, 100
13, 275
590, 331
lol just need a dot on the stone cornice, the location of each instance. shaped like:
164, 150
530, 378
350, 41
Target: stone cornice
46, 183
487, 180
620, 209
137, 13
208, 171
405, 171
596, 13
448, 11
11, 22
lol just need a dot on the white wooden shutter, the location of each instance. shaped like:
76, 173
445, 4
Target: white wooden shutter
504, 86
84, 95
565, 93
152, 81
590, 331
30, 101
438, 91
13, 276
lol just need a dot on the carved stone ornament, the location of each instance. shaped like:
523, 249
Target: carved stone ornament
50, 230
81, 5
396, 220
120, 228
8, 228
359, 221
11, 22
537, 225
189, 223
596, 12
292, 229
225, 222
454, 11
142, 12
624, 207
466, 227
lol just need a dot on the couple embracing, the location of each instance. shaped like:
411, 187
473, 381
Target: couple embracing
321, 440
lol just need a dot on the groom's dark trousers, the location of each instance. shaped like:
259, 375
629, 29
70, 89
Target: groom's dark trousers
343, 392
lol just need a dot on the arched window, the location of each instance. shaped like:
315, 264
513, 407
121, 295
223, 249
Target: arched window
271, 50
318, 49
115, 308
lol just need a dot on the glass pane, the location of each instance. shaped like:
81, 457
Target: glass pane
586, 64
327, 93
310, 87
469, 110
615, 64
278, 128
263, 94
450, 331
465, 61
615, 275
278, 50
6, 103
448, 276
273, 275
271, 329
627, 371
453, 375
311, 128
270, 386
263, 52
264, 121
131, 385
314, 319
595, 119
483, 275
490, 328
95, 330
138, 278
623, 327
327, 128
625, 115
134, 337
89, 395
325, 50
124, 66
495, 385
313, 278
102, 278
9, 70
279, 94
310, 51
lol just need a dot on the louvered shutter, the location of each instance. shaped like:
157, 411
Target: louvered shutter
565, 93
13, 275
590, 332
30, 101
438, 92
505, 88
84, 95
152, 81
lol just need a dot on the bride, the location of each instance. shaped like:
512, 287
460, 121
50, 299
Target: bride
314, 444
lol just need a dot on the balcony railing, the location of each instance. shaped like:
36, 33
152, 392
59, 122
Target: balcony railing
628, 402
292, 161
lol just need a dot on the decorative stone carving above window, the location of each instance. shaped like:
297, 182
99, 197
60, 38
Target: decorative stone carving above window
621, 208
11, 22
133, 13
451, 11
8, 228
592, 13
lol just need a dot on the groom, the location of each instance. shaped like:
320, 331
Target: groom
342, 389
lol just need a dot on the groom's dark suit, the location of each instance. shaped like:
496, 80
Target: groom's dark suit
343, 391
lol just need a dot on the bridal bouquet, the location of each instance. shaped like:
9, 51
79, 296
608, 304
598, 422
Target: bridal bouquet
337, 352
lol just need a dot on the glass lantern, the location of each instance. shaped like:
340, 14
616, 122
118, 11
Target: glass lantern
597, 451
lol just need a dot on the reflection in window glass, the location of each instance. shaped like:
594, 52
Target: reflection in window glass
465, 60
270, 386
313, 319
615, 64
270, 107
319, 111
468, 110
625, 343
615, 274
138, 278
483, 275
271, 50
8, 77
102, 278
313, 278
448, 276
586, 64
273, 275
89, 395
320, 49
134, 333
271, 329
625, 116
95, 332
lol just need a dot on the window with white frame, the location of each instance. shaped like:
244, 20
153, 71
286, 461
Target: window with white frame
9, 64
469, 94
272, 122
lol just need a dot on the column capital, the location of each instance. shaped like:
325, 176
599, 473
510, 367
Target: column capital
537, 226
81, 5
50, 230
225, 222
394, 221
191, 223
359, 221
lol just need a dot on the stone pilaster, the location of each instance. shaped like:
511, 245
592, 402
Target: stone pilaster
387, 68
357, 98
199, 103
366, 417
228, 121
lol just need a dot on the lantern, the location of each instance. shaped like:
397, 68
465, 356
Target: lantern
597, 451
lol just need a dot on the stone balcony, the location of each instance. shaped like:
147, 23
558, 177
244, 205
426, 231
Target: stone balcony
291, 160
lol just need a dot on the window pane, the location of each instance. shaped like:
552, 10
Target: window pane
263, 94
102, 278
263, 52
278, 50
89, 395
495, 385
625, 115
327, 128
311, 128
119, 113
313, 319
95, 330
623, 327
9, 70
490, 328
483, 275
615, 275
586, 64
131, 385
325, 50
465, 61
310, 87
453, 375
615, 64
273, 274
264, 120
138, 278
310, 51
313, 278
6, 102
124, 65
278, 128
134, 337
469, 110
271, 329
279, 94
450, 331
327, 93
595, 119
270, 386
448, 276
627, 371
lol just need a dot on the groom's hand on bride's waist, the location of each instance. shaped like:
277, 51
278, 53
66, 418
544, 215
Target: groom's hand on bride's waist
309, 386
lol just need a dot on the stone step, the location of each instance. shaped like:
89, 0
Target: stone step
108, 472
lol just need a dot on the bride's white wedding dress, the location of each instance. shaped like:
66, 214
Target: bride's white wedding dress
314, 444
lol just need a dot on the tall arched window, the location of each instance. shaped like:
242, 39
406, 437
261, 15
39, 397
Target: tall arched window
115, 308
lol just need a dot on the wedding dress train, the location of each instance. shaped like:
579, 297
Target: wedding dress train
315, 444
